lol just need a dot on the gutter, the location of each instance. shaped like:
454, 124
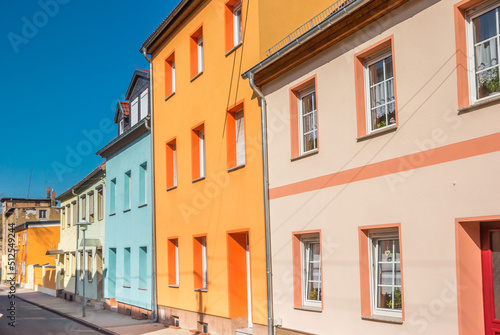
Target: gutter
267, 223
154, 307
306, 36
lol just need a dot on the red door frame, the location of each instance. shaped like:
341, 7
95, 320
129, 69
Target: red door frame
492, 325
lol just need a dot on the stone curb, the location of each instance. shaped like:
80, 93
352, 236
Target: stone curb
75, 319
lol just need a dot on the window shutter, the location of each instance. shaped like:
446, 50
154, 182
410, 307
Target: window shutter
91, 204
134, 112
144, 104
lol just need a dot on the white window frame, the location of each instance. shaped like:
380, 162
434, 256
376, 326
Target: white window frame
373, 238
172, 64
306, 243
204, 260
199, 47
144, 104
44, 211
471, 58
308, 91
134, 112
377, 57
122, 126
201, 138
237, 25
177, 261
174, 163
144, 167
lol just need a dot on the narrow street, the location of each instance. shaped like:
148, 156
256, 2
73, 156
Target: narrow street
31, 320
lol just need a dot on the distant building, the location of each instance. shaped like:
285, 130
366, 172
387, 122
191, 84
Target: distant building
83, 201
128, 254
28, 220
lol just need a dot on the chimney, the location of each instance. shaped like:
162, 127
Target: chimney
53, 199
48, 192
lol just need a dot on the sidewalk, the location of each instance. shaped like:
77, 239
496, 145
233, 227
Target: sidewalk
103, 321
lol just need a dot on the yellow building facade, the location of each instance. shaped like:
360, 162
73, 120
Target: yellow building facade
209, 203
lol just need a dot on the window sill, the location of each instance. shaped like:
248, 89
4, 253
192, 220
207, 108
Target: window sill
236, 168
126, 210
309, 309
171, 188
381, 318
112, 214
170, 95
126, 286
197, 180
143, 205
379, 132
143, 288
480, 104
304, 155
199, 74
173, 286
236, 47
201, 290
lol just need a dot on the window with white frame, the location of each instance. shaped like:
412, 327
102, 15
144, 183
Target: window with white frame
91, 206
386, 293
237, 25
483, 49
201, 144
143, 184
240, 137
380, 99
204, 260
308, 130
311, 270
134, 112
42, 214
121, 126
200, 53
172, 65
127, 191
144, 104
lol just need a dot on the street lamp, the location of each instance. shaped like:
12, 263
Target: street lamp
83, 226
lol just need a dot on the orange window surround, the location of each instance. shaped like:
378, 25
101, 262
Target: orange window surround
193, 46
172, 249
232, 160
294, 113
170, 75
297, 265
171, 163
359, 81
229, 23
198, 152
198, 273
364, 266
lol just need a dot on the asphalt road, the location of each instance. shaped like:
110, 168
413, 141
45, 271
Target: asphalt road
32, 320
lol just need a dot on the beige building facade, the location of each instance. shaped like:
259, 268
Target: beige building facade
384, 146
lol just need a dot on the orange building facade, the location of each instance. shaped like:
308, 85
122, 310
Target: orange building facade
33, 240
209, 204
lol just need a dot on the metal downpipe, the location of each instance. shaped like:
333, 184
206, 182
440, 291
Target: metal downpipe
154, 307
267, 224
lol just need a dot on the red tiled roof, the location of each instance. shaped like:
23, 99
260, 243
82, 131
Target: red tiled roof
143, 70
125, 107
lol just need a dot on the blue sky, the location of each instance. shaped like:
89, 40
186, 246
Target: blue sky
65, 64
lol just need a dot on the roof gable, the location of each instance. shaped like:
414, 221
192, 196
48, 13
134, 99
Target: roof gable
140, 81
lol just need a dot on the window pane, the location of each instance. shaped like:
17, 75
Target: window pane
377, 94
384, 297
385, 250
310, 142
487, 83
314, 291
398, 274
485, 26
388, 67
379, 117
385, 274
376, 72
309, 123
486, 54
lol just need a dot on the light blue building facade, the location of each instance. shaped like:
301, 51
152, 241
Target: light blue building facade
129, 246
